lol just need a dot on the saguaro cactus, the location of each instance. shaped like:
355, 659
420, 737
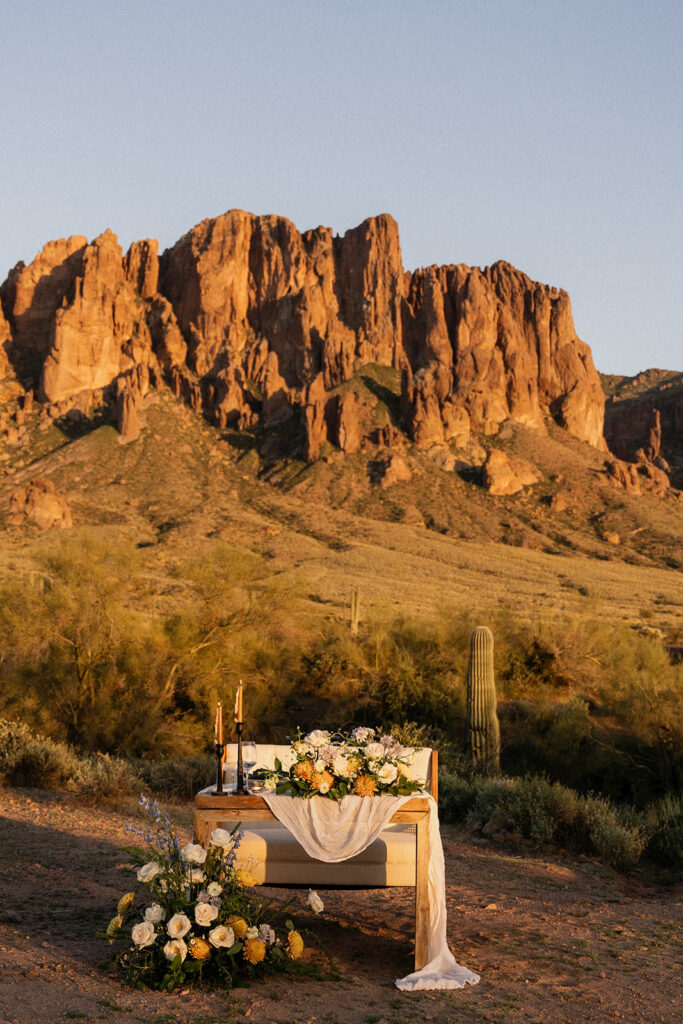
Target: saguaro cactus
482, 735
355, 610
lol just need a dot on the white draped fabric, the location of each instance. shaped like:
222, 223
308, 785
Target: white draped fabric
332, 831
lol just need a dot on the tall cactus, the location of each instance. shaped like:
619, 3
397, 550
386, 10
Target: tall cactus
355, 610
482, 731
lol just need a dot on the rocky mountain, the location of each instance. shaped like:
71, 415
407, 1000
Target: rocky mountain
257, 327
644, 420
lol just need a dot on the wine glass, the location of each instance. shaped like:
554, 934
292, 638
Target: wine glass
248, 758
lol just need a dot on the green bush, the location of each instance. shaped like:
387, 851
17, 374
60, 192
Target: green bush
664, 825
542, 812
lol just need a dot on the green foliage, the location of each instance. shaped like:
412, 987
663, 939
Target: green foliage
542, 812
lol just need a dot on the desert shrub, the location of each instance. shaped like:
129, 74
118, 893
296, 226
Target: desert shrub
27, 759
664, 826
177, 778
101, 776
543, 812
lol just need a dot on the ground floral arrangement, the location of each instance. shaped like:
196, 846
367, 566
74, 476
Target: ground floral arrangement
196, 919
345, 763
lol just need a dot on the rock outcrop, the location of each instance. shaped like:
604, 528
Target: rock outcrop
504, 475
644, 422
40, 503
249, 320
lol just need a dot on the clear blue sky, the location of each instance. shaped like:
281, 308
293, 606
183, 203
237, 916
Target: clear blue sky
545, 133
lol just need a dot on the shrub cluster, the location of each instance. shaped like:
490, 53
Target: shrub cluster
544, 813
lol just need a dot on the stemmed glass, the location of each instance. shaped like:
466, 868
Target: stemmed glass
248, 759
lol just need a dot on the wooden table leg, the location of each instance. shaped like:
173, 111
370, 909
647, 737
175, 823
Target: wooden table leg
421, 892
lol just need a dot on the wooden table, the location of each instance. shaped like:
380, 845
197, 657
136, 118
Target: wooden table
211, 811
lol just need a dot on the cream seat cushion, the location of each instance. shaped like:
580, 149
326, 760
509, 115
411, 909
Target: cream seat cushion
274, 856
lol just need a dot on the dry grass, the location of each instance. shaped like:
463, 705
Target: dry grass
179, 490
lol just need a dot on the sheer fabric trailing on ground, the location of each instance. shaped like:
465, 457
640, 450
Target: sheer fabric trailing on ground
333, 831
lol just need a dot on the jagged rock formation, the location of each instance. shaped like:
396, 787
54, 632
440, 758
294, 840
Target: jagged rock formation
504, 475
251, 321
40, 503
644, 424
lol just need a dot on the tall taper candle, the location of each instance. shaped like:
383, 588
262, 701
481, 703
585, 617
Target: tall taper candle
218, 724
238, 703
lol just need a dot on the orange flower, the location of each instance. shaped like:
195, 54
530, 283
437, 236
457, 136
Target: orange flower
295, 944
239, 926
365, 785
303, 770
199, 949
254, 951
245, 878
318, 778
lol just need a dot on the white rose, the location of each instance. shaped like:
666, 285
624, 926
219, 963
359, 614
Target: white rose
222, 936
269, 785
341, 766
374, 751
318, 738
155, 914
143, 934
266, 934
252, 933
214, 889
324, 788
205, 914
193, 853
387, 773
148, 871
319, 765
195, 875
222, 838
178, 926
314, 902
175, 946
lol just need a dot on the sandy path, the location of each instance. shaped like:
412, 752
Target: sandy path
555, 940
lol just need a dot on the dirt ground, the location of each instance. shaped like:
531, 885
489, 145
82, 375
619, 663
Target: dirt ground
555, 940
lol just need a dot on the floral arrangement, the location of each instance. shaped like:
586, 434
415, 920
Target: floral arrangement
196, 919
335, 765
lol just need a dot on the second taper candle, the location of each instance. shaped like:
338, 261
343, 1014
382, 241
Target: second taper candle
238, 702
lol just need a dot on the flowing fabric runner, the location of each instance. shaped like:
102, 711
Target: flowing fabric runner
332, 831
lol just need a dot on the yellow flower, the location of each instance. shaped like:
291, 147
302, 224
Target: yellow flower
318, 778
239, 926
245, 878
254, 951
199, 949
295, 944
355, 764
125, 902
113, 927
303, 770
365, 785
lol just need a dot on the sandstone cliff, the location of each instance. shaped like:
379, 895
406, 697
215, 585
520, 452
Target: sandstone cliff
644, 422
253, 322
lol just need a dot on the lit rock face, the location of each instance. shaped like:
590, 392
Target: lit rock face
101, 332
495, 345
77, 319
248, 318
41, 504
